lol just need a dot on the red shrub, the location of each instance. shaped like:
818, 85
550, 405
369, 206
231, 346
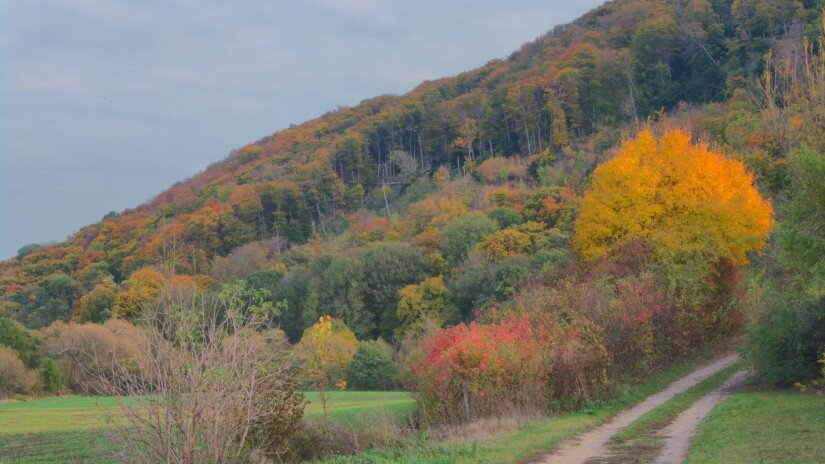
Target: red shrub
642, 330
477, 370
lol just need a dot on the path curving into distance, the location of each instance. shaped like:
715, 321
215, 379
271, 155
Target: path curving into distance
593, 443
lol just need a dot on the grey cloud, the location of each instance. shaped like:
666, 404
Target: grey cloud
103, 103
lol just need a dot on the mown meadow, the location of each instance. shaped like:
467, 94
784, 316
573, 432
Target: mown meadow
72, 428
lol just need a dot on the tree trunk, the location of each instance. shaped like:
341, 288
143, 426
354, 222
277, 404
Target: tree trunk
466, 401
526, 130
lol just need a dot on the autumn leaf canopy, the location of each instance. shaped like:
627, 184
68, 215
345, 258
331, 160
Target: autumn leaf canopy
683, 199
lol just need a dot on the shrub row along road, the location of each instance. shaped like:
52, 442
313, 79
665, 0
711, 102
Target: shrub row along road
593, 444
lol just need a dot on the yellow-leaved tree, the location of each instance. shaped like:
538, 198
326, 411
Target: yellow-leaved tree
686, 201
423, 304
327, 348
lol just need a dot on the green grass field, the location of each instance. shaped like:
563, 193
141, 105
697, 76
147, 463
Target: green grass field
349, 405
68, 429
763, 427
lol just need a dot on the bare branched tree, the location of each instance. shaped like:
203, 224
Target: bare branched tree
213, 384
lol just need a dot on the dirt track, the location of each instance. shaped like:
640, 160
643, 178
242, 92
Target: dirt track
680, 432
593, 444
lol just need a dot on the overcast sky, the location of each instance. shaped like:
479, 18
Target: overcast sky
104, 103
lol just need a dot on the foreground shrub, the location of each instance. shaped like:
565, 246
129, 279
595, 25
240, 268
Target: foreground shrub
712, 309
578, 364
214, 385
319, 438
478, 370
640, 325
372, 367
15, 378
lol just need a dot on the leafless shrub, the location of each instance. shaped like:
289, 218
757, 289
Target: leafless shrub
245, 260
213, 385
489, 427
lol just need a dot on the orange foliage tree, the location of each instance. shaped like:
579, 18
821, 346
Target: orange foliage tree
685, 200
435, 212
141, 289
505, 243
500, 170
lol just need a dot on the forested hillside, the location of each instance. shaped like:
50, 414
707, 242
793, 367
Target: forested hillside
372, 213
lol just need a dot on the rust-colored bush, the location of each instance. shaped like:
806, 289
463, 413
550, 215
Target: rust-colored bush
499, 170
79, 348
14, 376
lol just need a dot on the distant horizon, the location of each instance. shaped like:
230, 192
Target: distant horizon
106, 106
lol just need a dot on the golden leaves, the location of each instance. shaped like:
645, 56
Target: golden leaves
683, 198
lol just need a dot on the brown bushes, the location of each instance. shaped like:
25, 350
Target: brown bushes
500, 170
209, 383
79, 350
15, 378
578, 363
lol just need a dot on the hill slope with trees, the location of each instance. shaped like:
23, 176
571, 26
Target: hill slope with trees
426, 208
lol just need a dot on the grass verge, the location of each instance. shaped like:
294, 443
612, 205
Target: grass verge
763, 427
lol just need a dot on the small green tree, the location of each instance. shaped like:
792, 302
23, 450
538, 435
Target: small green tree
19, 339
50, 376
506, 217
462, 234
96, 306
372, 367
